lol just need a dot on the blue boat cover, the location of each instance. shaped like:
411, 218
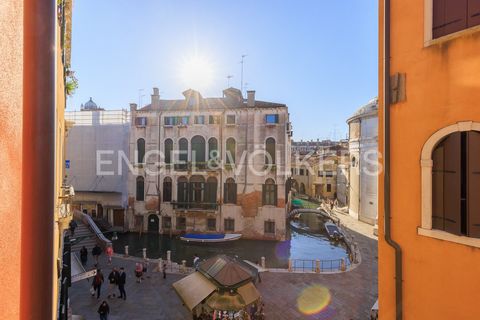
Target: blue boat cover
204, 236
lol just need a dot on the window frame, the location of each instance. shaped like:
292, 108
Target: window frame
230, 224
269, 223
426, 164
196, 119
275, 116
209, 227
137, 193
229, 117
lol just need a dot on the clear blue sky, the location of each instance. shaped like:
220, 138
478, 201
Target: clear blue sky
317, 56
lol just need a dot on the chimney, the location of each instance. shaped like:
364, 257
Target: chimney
251, 98
133, 107
155, 98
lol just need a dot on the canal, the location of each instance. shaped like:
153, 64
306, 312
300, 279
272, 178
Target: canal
307, 240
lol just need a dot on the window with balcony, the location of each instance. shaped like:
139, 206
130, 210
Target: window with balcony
269, 193
198, 150
140, 190
212, 148
182, 191
271, 118
211, 190
197, 190
450, 16
167, 189
229, 225
230, 191
182, 154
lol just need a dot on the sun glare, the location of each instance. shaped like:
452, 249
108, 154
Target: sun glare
196, 73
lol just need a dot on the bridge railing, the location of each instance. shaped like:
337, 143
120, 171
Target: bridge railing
88, 221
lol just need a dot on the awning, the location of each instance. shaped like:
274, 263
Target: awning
249, 293
193, 289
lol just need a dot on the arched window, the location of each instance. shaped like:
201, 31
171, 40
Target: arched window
302, 188
455, 182
230, 151
270, 151
198, 149
140, 150
182, 192
230, 191
183, 150
211, 190
212, 148
197, 193
167, 189
269, 193
168, 150
140, 192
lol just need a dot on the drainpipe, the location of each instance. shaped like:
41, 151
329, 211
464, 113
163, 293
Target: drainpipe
386, 177
38, 160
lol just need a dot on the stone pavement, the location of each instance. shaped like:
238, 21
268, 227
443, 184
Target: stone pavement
352, 293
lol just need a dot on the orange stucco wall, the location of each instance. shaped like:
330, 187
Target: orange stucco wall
11, 46
441, 280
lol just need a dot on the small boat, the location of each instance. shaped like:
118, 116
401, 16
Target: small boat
333, 231
210, 237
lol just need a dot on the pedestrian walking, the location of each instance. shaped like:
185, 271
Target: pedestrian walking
122, 279
196, 261
164, 270
112, 282
73, 225
109, 253
104, 310
138, 272
83, 256
96, 252
97, 283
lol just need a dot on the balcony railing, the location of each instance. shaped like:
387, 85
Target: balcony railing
194, 205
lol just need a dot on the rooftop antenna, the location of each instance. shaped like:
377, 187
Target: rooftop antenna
140, 96
228, 80
241, 79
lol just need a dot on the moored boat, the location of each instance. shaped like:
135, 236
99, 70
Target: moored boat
210, 237
333, 231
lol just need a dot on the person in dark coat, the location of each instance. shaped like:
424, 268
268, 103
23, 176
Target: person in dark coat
73, 225
96, 252
97, 282
104, 310
83, 256
122, 278
112, 282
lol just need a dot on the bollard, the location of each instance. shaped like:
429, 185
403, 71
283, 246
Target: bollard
343, 265
184, 266
126, 251
144, 253
160, 265
289, 265
169, 255
262, 263
317, 266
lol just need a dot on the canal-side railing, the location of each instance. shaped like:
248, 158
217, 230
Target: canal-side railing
318, 266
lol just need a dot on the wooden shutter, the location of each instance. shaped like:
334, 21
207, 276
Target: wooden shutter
233, 187
437, 188
275, 194
449, 16
473, 178
473, 13
264, 194
452, 183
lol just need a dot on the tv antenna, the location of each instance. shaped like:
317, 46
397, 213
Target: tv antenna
228, 80
241, 79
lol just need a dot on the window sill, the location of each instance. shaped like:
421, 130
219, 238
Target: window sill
445, 236
451, 36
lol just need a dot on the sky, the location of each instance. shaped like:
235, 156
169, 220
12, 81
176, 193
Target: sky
317, 56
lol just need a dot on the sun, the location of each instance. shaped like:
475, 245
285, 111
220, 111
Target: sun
196, 72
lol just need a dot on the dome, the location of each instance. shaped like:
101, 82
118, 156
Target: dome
90, 105
370, 108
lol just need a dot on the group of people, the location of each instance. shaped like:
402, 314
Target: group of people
96, 252
116, 281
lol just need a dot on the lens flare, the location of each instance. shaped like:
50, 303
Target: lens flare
313, 300
282, 250
196, 72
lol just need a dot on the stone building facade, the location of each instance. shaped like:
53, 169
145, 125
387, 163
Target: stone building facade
363, 149
209, 165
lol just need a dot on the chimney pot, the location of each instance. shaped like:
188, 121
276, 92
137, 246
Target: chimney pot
133, 107
251, 98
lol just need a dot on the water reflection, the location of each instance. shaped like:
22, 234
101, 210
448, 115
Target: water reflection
307, 240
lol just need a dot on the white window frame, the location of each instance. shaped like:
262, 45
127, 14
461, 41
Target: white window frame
426, 163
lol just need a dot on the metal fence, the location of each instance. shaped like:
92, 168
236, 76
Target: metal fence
303, 265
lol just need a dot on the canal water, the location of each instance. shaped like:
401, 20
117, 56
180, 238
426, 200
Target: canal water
307, 240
